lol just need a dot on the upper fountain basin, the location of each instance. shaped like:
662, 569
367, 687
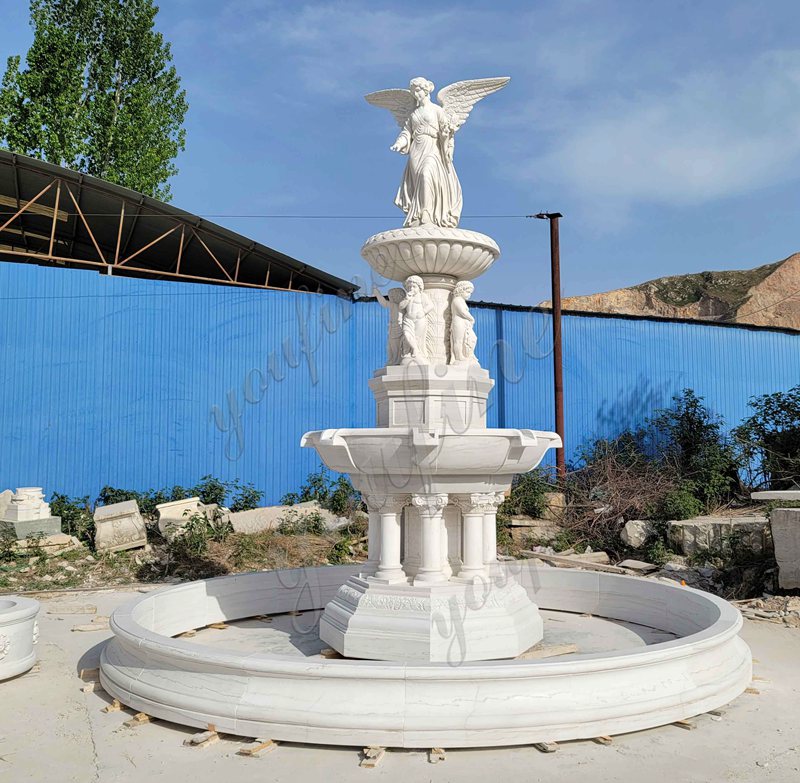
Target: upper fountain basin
430, 250
406, 459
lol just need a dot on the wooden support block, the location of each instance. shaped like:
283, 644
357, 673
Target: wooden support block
546, 747
684, 724
761, 679
372, 756
218, 626
90, 675
265, 619
137, 720
294, 613
186, 634
604, 740
435, 755
202, 740
716, 713
93, 687
329, 652
260, 748
115, 706
752, 691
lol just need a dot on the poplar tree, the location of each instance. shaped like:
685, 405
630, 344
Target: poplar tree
98, 93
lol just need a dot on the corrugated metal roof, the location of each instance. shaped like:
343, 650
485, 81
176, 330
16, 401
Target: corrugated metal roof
75, 220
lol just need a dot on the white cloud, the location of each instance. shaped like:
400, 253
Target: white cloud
706, 136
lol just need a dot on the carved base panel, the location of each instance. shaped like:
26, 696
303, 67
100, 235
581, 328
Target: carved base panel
448, 622
445, 397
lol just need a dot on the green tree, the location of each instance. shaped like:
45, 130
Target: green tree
98, 93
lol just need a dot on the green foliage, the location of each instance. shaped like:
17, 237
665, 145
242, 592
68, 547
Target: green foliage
296, 523
8, 544
527, 495
33, 545
98, 93
191, 542
340, 552
245, 497
769, 439
680, 503
76, 517
211, 490
337, 495
694, 447
656, 552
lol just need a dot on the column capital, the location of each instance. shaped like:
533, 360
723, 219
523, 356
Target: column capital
430, 505
388, 504
476, 502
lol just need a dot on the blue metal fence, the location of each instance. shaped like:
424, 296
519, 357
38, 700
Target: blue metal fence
143, 384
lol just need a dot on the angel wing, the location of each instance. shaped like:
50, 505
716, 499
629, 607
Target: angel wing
457, 99
399, 102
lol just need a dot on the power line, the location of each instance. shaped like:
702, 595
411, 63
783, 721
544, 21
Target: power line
275, 217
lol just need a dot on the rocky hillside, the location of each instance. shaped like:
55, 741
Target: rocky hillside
765, 296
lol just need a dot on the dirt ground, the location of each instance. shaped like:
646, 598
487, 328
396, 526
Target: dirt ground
50, 730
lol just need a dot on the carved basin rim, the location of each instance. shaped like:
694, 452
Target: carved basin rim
396, 704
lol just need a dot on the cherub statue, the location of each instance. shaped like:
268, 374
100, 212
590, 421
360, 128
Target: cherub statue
394, 343
415, 308
430, 191
462, 334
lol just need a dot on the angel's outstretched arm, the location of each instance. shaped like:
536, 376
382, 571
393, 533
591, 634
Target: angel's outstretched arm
403, 143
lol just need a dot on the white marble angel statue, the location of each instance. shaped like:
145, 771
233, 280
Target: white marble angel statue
430, 192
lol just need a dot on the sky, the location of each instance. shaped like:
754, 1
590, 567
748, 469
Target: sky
667, 133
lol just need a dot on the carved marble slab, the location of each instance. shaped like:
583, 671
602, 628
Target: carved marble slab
119, 526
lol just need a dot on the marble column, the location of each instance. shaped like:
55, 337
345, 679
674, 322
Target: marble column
475, 508
390, 568
373, 532
490, 527
431, 512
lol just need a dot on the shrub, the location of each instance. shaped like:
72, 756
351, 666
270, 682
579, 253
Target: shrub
769, 439
8, 544
76, 517
245, 497
337, 495
680, 503
211, 490
294, 523
340, 552
694, 447
191, 542
527, 495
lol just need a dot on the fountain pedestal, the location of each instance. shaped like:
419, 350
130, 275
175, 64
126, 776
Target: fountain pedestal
431, 473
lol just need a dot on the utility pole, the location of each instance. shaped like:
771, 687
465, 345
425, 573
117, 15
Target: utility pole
558, 367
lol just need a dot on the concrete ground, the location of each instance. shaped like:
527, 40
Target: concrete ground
52, 731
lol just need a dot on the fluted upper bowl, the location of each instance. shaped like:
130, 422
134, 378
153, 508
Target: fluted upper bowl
430, 250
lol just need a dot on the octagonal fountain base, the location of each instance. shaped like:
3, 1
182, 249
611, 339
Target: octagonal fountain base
700, 665
454, 621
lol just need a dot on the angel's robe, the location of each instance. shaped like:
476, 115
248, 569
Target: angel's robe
430, 191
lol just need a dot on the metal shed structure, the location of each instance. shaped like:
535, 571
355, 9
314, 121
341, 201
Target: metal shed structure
50, 215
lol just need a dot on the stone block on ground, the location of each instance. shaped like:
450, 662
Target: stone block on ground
258, 520
175, 515
54, 544
555, 503
785, 524
5, 501
691, 536
636, 532
638, 565
119, 526
47, 526
776, 494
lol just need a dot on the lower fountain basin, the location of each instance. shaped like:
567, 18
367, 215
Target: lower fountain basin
489, 703
18, 635
408, 459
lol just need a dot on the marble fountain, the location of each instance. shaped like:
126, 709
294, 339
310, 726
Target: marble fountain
430, 632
